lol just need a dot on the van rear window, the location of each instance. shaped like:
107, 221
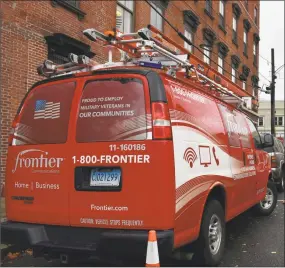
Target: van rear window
112, 109
45, 115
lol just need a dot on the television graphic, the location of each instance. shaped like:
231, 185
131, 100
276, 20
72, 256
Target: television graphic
205, 155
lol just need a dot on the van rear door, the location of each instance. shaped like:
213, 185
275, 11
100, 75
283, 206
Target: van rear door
38, 173
123, 179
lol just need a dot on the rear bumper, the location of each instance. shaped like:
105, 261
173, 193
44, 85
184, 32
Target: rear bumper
100, 243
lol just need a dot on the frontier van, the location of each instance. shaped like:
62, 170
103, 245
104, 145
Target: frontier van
101, 154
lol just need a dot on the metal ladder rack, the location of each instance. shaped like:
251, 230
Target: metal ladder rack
141, 48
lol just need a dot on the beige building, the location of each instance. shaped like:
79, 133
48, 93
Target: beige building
264, 122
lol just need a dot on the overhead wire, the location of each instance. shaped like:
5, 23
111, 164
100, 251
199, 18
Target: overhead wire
227, 26
279, 69
268, 61
264, 77
190, 43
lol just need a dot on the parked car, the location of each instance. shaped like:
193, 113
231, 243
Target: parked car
276, 153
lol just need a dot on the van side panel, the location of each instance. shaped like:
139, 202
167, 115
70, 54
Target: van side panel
200, 154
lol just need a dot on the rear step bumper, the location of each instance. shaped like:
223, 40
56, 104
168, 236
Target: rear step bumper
102, 243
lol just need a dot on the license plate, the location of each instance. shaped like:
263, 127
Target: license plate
110, 177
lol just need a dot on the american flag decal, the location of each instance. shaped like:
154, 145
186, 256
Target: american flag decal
47, 110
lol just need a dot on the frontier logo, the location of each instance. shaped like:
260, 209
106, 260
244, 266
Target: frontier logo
42, 162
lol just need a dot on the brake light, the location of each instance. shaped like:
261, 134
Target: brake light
273, 161
13, 129
161, 124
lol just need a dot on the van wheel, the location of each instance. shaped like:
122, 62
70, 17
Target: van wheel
266, 206
209, 248
281, 186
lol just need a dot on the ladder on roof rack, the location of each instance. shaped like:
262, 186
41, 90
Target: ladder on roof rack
145, 48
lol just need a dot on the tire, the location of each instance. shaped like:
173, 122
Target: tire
281, 186
204, 254
268, 204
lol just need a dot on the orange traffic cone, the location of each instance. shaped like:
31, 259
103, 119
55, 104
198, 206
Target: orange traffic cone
152, 258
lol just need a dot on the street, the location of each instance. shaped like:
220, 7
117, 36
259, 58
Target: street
251, 241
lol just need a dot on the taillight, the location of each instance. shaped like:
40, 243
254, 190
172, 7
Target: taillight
273, 161
161, 126
12, 130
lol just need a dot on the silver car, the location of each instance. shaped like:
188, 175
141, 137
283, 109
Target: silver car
277, 162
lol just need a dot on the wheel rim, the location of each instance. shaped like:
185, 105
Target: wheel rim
267, 202
215, 234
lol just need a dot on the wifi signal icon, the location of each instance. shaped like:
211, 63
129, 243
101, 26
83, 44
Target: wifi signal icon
190, 156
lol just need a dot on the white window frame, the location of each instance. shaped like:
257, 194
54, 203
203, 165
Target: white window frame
234, 23
234, 73
222, 8
222, 12
255, 15
261, 125
190, 35
243, 85
127, 7
276, 121
245, 40
155, 18
254, 53
220, 64
208, 53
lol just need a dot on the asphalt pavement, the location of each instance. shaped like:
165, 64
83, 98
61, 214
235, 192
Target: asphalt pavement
251, 241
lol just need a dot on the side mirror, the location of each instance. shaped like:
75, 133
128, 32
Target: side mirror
268, 141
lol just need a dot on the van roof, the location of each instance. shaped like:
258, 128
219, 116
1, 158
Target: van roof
144, 51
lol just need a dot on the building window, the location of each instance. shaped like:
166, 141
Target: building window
59, 46
255, 15
254, 54
74, 3
235, 29
189, 34
191, 23
209, 7
243, 85
245, 41
155, 18
71, 5
223, 50
207, 54
278, 120
220, 64
233, 75
246, 4
124, 16
261, 121
222, 14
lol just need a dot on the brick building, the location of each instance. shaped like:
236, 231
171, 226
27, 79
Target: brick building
32, 31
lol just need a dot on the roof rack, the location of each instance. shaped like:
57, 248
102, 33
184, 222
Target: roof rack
148, 47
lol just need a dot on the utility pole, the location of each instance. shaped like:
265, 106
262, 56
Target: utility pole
272, 89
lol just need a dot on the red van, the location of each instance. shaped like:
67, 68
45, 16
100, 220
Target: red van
98, 159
